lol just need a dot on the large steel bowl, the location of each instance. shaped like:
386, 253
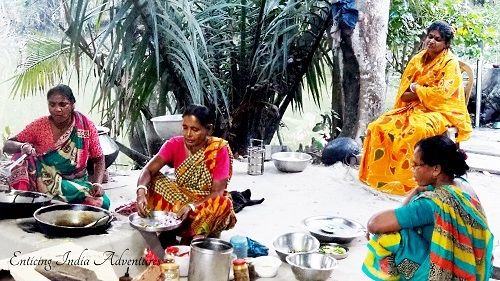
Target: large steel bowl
167, 126
311, 266
291, 162
295, 242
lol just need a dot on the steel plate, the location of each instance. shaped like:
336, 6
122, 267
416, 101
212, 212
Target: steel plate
334, 229
156, 221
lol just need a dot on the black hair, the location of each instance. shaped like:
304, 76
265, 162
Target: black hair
202, 113
442, 151
64, 90
444, 29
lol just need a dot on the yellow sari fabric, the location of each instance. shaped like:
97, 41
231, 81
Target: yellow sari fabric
389, 140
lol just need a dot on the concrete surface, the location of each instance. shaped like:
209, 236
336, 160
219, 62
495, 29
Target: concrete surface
289, 199
483, 149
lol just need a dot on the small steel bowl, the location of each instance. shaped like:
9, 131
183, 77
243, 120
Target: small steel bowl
337, 256
291, 162
295, 242
311, 266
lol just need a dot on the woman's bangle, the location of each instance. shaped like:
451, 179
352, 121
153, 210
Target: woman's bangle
192, 206
413, 87
143, 187
22, 146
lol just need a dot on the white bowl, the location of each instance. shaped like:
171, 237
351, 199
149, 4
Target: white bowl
167, 126
266, 266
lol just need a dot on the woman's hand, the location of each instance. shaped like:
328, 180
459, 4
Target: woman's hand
97, 190
183, 213
142, 203
413, 193
409, 97
27, 148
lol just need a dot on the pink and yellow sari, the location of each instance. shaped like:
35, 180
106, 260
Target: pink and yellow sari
193, 184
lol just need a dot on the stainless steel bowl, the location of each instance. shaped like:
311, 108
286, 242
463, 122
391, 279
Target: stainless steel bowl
295, 242
291, 162
311, 266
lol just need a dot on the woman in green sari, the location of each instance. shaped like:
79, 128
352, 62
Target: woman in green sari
58, 148
440, 232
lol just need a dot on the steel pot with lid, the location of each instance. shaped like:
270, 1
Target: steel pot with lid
109, 148
210, 260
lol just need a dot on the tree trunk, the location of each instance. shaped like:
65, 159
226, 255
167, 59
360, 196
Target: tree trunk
369, 44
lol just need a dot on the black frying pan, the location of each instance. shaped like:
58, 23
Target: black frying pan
72, 220
21, 204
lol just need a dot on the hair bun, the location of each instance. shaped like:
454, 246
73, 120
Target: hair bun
462, 153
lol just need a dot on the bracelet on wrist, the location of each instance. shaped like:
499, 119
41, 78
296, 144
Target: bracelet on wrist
143, 187
192, 206
413, 87
23, 145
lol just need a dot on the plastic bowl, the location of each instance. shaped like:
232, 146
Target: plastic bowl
266, 266
311, 266
295, 242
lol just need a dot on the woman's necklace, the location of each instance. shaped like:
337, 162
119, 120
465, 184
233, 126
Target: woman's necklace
193, 150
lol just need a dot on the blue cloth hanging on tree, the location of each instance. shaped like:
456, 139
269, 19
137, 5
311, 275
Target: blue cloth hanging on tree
345, 13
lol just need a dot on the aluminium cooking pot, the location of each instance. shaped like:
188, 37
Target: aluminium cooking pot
16, 204
72, 220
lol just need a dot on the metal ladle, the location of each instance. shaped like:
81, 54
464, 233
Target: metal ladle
7, 171
94, 223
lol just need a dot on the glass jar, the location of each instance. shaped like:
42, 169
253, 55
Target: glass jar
170, 269
240, 269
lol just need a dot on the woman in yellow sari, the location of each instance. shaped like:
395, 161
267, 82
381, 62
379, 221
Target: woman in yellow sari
203, 167
430, 99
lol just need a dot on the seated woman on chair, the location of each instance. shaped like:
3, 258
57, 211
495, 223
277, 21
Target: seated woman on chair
430, 99
440, 232
58, 148
203, 167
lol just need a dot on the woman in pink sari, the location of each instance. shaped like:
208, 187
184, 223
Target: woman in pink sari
58, 148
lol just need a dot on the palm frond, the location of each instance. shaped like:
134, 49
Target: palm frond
45, 64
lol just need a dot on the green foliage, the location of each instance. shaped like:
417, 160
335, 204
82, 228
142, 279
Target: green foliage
326, 127
43, 66
236, 56
408, 20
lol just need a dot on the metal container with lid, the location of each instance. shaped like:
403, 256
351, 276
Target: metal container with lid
256, 157
210, 260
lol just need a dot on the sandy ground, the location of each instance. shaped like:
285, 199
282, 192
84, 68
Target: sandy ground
319, 190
